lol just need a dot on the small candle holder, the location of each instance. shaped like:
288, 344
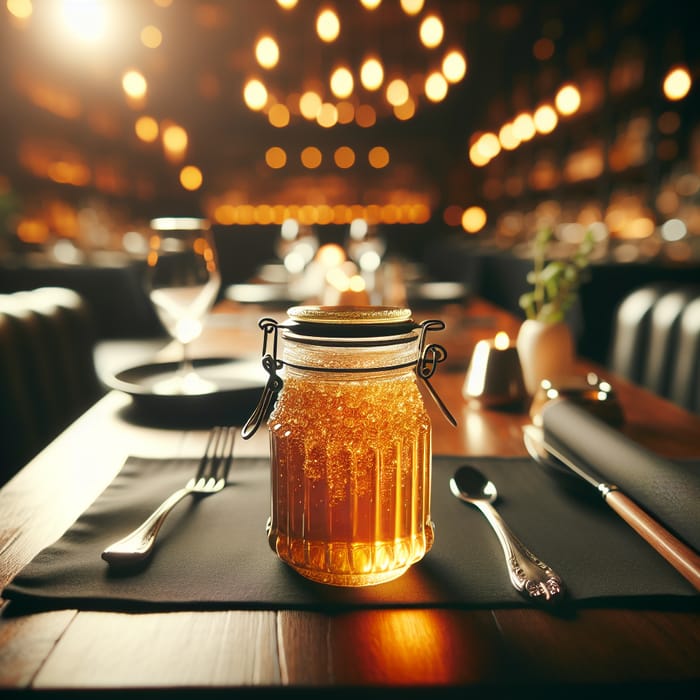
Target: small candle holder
495, 377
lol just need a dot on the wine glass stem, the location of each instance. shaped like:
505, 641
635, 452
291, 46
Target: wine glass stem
186, 366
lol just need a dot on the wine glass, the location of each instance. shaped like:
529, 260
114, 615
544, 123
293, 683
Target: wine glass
183, 282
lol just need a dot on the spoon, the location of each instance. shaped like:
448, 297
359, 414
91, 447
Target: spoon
528, 574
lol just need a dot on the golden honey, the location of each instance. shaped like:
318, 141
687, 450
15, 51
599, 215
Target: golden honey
351, 467
351, 449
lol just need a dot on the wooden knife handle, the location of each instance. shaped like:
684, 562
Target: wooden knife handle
678, 554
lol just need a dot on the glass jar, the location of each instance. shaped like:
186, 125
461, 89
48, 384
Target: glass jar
350, 444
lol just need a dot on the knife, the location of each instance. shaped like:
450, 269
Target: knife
682, 557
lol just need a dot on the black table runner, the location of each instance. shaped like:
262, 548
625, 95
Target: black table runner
212, 553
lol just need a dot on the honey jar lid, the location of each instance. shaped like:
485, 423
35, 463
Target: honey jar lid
350, 321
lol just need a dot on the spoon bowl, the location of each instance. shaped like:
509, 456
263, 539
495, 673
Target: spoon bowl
528, 574
470, 485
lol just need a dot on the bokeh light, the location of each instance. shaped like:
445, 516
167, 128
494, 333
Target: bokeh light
328, 25
431, 31
568, 100
677, 84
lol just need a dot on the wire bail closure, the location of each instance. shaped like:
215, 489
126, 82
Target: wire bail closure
274, 382
429, 356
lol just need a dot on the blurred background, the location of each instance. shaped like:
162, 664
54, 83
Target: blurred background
453, 130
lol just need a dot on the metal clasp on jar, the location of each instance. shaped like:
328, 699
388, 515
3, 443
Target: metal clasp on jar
271, 364
429, 356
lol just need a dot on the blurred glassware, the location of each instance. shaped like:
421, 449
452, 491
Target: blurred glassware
296, 246
183, 282
366, 247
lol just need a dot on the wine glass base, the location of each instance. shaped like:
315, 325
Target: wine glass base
184, 384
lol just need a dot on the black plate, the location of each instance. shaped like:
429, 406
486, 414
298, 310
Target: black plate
237, 386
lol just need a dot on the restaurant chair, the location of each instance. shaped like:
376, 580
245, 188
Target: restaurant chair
656, 341
47, 372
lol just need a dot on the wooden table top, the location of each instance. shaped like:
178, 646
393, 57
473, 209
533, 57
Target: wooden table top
519, 651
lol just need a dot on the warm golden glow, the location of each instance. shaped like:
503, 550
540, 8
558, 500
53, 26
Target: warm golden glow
278, 115
338, 279
677, 84
636, 228
327, 115
134, 84
436, 87
585, 164
397, 92
489, 146
191, 177
524, 127
507, 137
378, 157
327, 25
412, 7
287, 4
32, 231
151, 37
21, 9
310, 104
311, 157
431, 31
86, 20
175, 140
68, 172
255, 95
454, 66
406, 110
568, 100
415, 212
146, 129
371, 4
473, 219
344, 157
342, 82
330, 255
356, 283
372, 74
501, 340
267, 52
476, 156
545, 119
275, 157
225, 214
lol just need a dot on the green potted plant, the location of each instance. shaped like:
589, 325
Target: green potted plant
545, 343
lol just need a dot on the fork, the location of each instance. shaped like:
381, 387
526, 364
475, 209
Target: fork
210, 477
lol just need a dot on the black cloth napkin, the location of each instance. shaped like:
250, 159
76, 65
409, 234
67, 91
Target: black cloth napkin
668, 491
212, 552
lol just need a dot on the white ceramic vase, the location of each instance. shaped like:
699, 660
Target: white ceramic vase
546, 351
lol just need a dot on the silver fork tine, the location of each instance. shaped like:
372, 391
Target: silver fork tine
207, 465
226, 459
